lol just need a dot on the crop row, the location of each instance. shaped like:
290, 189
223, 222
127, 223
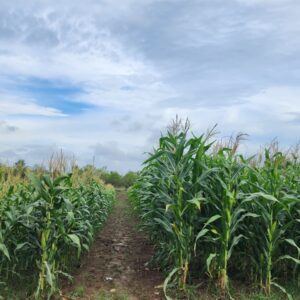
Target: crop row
45, 226
215, 214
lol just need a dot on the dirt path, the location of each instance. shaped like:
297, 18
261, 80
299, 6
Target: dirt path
115, 267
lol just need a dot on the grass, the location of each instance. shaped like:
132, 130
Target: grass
239, 291
80, 291
115, 295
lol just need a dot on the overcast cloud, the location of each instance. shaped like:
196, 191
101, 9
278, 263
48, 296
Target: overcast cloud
102, 78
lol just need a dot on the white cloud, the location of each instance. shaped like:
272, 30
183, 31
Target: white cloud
139, 63
79, 53
271, 113
71, 59
15, 105
278, 102
118, 139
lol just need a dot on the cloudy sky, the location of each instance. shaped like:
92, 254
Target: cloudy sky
102, 78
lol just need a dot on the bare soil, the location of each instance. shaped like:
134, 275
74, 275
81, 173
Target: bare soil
116, 266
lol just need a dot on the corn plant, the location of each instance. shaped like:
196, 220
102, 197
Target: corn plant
46, 225
209, 210
274, 202
227, 211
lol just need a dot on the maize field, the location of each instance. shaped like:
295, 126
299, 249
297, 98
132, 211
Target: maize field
45, 225
217, 216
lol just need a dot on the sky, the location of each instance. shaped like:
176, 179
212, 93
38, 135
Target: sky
101, 79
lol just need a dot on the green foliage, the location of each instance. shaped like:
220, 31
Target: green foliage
20, 168
46, 225
129, 179
211, 212
115, 179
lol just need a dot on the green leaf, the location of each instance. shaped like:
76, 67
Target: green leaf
265, 196
235, 241
49, 275
293, 243
170, 206
167, 280
208, 262
295, 260
20, 246
282, 289
204, 230
76, 241
165, 225
4, 250
212, 219
202, 233
195, 201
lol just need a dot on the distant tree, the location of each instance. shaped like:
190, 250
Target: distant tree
114, 178
129, 179
118, 180
20, 168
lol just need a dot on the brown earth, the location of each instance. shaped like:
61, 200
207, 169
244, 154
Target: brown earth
116, 266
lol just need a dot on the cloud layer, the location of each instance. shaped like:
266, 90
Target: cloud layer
102, 78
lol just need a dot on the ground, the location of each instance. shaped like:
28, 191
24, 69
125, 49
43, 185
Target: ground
116, 266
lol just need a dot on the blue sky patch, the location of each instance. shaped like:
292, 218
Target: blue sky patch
56, 94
